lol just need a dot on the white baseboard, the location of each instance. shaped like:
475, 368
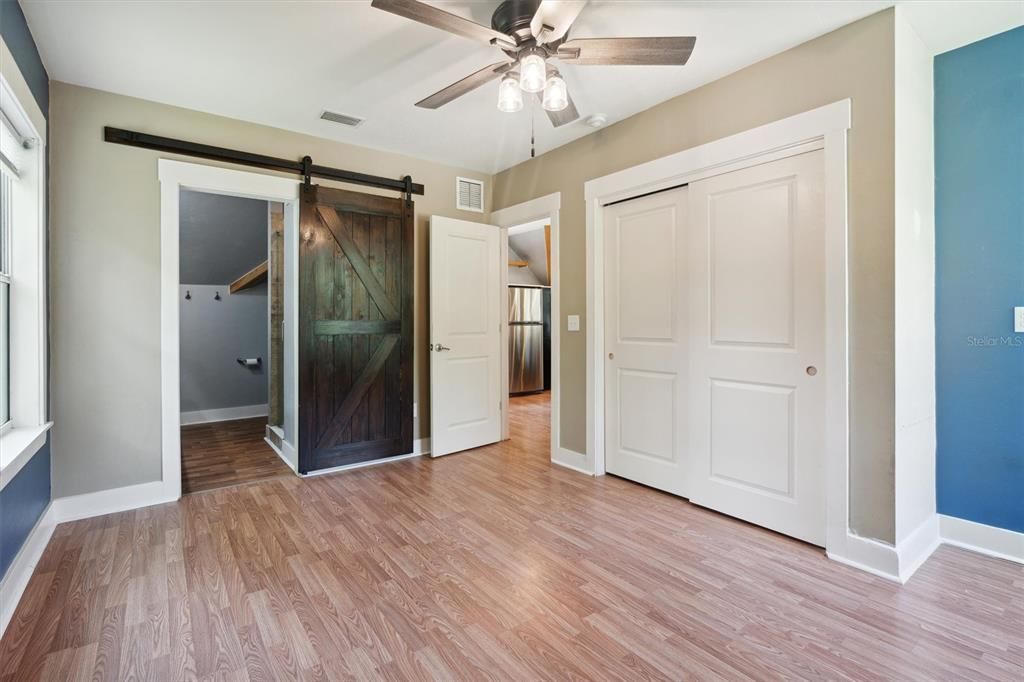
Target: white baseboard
915, 549
224, 414
25, 561
279, 452
570, 459
977, 537
111, 501
420, 447
868, 555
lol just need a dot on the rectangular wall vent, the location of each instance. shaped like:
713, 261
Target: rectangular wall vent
469, 195
343, 119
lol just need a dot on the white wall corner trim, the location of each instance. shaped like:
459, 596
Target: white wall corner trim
224, 414
822, 128
915, 549
20, 571
978, 537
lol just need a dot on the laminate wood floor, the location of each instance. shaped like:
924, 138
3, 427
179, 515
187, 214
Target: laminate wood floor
220, 454
490, 564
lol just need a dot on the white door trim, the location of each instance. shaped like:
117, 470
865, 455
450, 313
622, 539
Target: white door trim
175, 176
545, 207
821, 128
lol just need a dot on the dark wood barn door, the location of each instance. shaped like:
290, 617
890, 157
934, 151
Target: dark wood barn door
355, 327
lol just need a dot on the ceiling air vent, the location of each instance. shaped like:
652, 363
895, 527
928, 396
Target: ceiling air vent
343, 119
469, 195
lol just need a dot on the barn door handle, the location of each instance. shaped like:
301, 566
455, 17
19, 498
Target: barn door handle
440, 347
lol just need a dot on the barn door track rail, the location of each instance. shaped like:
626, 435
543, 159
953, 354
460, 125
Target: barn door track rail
306, 168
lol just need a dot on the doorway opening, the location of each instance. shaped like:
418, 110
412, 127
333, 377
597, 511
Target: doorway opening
231, 314
528, 294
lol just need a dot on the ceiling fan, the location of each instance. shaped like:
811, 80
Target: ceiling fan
531, 32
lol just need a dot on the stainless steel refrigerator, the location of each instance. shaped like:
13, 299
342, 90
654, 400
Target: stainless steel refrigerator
526, 326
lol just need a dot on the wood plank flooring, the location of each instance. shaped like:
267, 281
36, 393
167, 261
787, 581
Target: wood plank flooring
220, 454
490, 564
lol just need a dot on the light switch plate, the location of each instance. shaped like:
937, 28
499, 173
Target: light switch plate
574, 323
1018, 319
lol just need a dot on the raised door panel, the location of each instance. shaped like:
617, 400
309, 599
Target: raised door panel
646, 340
757, 373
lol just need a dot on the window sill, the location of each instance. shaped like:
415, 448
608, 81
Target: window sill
17, 447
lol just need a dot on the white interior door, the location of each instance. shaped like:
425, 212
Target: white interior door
646, 340
757, 374
465, 335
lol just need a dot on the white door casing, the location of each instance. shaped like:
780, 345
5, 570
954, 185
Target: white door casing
465, 335
758, 334
646, 434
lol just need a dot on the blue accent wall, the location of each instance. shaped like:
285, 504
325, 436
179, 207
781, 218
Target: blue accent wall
979, 278
16, 35
24, 498
22, 502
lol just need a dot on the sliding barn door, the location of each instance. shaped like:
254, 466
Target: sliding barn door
355, 328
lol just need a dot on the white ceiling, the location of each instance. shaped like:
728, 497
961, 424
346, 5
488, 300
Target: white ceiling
283, 63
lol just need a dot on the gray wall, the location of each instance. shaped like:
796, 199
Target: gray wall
531, 247
221, 237
213, 335
517, 275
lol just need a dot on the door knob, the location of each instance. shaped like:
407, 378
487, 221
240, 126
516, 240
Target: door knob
611, 356
441, 347
811, 370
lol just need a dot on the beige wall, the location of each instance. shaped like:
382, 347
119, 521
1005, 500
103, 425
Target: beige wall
856, 61
105, 271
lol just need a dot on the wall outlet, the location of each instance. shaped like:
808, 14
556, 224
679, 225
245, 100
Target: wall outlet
1018, 319
573, 321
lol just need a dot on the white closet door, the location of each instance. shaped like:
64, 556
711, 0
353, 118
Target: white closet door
646, 340
757, 373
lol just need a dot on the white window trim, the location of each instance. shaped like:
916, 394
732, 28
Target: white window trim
25, 434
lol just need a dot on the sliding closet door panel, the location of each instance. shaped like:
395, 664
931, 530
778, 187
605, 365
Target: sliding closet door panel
757, 391
646, 340
355, 328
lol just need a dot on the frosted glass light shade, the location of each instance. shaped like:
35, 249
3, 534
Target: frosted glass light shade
510, 97
556, 94
532, 73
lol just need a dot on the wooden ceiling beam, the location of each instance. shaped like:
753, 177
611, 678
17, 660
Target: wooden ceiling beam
258, 275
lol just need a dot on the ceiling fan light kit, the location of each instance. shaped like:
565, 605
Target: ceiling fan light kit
530, 32
510, 97
532, 72
556, 94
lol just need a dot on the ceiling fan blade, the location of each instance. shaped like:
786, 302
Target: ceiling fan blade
446, 21
628, 51
560, 118
467, 84
553, 18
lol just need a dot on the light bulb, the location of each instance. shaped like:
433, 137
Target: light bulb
532, 72
556, 94
510, 97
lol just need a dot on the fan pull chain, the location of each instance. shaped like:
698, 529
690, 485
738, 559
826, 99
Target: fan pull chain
533, 121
